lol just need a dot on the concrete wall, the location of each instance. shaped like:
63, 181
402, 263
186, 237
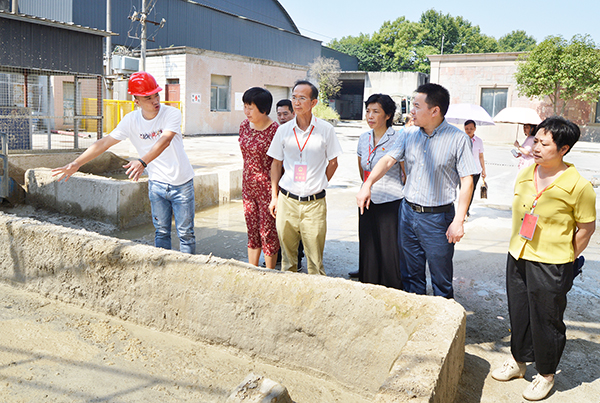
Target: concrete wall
194, 68
122, 203
379, 343
18, 164
393, 83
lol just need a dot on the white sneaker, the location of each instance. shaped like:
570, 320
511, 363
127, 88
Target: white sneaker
509, 370
538, 388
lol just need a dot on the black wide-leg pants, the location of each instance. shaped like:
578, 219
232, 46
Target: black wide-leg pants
537, 299
380, 258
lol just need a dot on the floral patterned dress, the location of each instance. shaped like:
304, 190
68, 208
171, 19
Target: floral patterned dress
256, 187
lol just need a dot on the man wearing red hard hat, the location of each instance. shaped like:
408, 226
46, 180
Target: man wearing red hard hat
155, 131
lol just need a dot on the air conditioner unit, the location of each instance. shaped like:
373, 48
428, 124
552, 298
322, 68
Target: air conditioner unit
125, 64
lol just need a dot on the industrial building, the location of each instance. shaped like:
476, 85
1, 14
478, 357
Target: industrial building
205, 54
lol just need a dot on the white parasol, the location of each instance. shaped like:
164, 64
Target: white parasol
518, 115
460, 113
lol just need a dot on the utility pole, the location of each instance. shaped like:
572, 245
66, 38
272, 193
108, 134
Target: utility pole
142, 17
442, 52
144, 33
108, 52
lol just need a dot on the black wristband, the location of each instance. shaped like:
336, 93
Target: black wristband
142, 162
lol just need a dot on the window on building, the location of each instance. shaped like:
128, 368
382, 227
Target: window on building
219, 93
597, 120
493, 100
12, 90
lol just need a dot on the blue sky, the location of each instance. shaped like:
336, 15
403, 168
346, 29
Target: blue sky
328, 19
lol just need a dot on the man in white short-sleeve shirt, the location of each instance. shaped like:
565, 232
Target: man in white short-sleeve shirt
307, 149
155, 131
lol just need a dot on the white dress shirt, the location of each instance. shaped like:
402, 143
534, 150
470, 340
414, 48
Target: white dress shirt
313, 148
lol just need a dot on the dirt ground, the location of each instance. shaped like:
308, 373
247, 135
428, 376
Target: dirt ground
55, 352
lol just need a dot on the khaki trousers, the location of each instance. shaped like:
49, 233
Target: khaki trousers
306, 221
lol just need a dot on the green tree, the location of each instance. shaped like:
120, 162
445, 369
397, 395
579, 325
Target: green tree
402, 45
458, 34
516, 41
364, 48
560, 70
326, 72
398, 42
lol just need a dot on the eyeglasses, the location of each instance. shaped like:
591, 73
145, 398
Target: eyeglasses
300, 99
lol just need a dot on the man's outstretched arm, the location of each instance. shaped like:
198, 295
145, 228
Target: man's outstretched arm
92, 152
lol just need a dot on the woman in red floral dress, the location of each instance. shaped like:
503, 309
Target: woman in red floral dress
256, 134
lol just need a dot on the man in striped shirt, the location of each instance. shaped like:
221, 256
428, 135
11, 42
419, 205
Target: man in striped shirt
437, 157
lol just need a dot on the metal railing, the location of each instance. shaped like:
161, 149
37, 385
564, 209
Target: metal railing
4, 156
113, 111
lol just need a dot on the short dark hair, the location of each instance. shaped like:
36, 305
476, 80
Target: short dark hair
260, 97
435, 95
470, 121
285, 102
387, 104
533, 129
564, 132
314, 92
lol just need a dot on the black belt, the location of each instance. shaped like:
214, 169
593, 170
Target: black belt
317, 196
438, 209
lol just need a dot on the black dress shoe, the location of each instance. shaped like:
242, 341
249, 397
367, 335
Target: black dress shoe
353, 274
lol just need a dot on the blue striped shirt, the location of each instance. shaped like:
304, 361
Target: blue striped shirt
434, 164
389, 187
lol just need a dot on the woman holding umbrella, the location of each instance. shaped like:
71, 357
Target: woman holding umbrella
554, 217
524, 152
528, 118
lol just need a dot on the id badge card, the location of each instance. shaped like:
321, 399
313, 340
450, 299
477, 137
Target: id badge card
300, 172
528, 226
366, 175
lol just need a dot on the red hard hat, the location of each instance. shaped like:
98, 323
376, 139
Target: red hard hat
142, 84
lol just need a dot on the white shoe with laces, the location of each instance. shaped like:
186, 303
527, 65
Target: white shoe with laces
538, 388
509, 370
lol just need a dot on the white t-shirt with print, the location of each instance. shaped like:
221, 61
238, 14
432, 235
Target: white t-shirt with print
172, 166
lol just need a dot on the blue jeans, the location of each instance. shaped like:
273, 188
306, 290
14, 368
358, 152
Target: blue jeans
167, 201
423, 239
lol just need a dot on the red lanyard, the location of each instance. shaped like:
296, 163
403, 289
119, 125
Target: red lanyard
371, 150
536, 188
297, 142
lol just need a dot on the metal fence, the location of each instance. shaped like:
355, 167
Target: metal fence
113, 111
41, 111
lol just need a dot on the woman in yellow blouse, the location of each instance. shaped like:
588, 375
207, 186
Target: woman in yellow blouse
554, 217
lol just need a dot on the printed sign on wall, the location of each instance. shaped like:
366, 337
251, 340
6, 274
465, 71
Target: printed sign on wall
239, 104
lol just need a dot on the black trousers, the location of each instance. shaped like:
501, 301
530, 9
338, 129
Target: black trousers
380, 258
475, 180
537, 299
